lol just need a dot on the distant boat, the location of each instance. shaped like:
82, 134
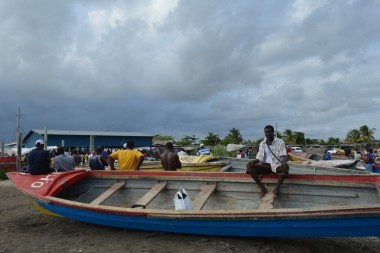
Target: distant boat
346, 163
296, 167
303, 156
225, 204
190, 163
314, 159
198, 158
8, 163
207, 166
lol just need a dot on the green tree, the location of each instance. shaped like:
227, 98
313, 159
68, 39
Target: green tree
211, 139
353, 136
367, 133
227, 140
289, 137
300, 137
333, 141
187, 140
162, 138
235, 136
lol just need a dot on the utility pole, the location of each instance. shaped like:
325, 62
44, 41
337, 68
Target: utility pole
18, 115
276, 131
45, 137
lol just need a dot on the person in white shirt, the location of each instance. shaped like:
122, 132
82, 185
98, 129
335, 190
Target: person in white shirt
271, 158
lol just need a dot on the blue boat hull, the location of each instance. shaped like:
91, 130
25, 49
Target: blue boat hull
324, 227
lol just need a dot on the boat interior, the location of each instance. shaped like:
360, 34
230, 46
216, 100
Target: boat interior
218, 194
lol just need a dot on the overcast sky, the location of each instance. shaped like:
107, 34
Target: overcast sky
175, 67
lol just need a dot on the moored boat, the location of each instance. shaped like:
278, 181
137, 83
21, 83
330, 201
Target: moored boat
223, 203
207, 166
187, 159
314, 159
295, 167
190, 163
303, 156
8, 163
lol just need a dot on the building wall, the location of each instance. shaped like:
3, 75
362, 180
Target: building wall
84, 140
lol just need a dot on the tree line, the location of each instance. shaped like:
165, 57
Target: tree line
363, 135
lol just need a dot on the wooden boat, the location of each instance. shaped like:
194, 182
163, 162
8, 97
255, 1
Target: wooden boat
223, 203
316, 160
303, 156
295, 167
187, 159
208, 166
8, 163
346, 163
190, 163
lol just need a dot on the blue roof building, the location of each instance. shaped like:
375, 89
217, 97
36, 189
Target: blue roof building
86, 139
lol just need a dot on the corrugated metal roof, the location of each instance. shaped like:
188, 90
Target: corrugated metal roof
94, 133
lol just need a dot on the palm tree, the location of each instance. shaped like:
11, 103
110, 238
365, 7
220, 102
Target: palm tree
300, 137
333, 141
235, 136
366, 133
353, 136
211, 139
290, 138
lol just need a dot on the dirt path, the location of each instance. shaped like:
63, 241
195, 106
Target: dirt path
24, 229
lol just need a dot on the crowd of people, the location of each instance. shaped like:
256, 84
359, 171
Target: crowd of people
41, 161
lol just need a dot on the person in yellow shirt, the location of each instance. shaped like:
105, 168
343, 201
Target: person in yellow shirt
128, 158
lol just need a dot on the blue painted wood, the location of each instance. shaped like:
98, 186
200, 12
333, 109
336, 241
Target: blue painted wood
326, 227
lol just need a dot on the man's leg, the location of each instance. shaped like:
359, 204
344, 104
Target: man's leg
282, 174
280, 180
256, 169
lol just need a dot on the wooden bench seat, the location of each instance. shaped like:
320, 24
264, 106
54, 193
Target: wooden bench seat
150, 195
202, 197
107, 193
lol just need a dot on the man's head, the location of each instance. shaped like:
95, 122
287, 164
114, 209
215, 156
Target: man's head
130, 144
169, 145
40, 143
269, 132
99, 150
60, 150
201, 145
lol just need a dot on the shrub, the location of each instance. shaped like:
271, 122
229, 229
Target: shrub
3, 176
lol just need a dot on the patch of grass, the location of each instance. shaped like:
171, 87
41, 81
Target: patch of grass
3, 176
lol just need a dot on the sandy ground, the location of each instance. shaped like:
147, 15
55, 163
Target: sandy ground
24, 229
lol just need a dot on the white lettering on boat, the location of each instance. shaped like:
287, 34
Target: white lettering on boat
186, 159
39, 184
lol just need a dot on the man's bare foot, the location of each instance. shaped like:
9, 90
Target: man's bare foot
263, 192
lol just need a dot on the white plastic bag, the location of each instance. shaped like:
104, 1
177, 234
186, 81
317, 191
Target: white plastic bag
182, 201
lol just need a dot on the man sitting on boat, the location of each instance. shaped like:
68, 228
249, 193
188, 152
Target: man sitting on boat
98, 162
63, 162
271, 158
39, 160
129, 158
203, 150
169, 159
